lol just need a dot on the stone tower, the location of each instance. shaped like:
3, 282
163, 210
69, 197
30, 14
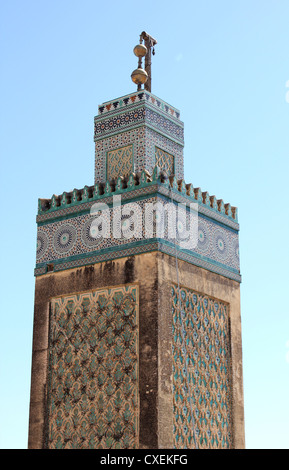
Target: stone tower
137, 336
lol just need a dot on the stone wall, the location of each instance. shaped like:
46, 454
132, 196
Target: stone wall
140, 271
154, 274
214, 286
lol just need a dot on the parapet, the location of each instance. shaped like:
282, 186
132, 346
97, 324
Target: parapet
65, 224
136, 181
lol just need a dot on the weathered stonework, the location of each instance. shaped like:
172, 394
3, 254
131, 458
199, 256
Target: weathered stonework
137, 341
217, 287
154, 274
140, 271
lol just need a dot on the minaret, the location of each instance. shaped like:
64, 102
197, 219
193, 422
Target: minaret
137, 327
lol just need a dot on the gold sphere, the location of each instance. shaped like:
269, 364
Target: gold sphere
139, 76
140, 50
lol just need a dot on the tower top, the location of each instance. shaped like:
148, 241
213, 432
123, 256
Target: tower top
140, 76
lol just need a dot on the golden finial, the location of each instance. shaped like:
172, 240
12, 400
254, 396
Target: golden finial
141, 76
140, 50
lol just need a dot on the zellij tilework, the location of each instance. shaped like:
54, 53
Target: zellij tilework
201, 371
146, 126
165, 161
93, 383
119, 162
92, 390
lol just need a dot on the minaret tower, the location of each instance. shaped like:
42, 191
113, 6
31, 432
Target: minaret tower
137, 327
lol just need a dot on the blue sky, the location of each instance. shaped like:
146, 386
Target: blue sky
225, 65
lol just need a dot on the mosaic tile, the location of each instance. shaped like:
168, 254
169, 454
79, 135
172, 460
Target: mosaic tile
201, 371
72, 238
93, 377
164, 160
145, 123
119, 162
137, 137
133, 99
216, 249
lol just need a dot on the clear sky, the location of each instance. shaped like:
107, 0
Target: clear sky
225, 65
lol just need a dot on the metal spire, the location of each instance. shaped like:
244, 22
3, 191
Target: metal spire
141, 76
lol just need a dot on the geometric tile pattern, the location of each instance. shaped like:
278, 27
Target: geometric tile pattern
169, 127
155, 139
201, 371
60, 239
145, 182
114, 123
119, 162
165, 161
93, 377
143, 121
130, 100
131, 135
144, 140
100, 256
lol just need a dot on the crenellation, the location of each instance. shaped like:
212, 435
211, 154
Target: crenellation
173, 182
198, 194
130, 182
228, 210
108, 188
145, 177
65, 199
85, 194
214, 204
182, 186
96, 191
44, 205
190, 190
235, 213
157, 174
206, 198
119, 184
221, 207
55, 201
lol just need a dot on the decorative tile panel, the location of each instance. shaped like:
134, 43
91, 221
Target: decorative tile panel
165, 161
144, 121
133, 99
93, 377
73, 237
144, 141
132, 134
155, 139
133, 137
114, 124
119, 162
201, 371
